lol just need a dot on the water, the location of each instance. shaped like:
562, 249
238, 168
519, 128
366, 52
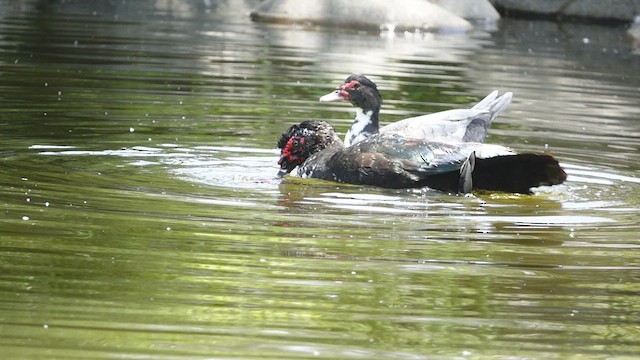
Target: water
141, 216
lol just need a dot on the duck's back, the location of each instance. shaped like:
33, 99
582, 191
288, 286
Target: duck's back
388, 160
457, 125
449, 125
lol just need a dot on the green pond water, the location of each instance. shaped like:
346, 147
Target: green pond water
141, 217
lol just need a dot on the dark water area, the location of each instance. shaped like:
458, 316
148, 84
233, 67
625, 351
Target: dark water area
141, 216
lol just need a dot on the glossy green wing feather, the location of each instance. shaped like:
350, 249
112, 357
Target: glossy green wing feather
417, 155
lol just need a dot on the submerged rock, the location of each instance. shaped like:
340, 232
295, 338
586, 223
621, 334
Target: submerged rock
372, 14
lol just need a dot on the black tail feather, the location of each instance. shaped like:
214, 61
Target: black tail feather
510, 173
517, 173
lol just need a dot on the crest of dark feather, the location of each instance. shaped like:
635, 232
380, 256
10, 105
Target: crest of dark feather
284, 138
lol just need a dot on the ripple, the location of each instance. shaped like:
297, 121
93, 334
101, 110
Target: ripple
562, 220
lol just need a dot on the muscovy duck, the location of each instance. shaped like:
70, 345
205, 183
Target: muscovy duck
458, 125
394, 161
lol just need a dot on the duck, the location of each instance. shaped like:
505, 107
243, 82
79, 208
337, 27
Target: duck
390, 160
456, 125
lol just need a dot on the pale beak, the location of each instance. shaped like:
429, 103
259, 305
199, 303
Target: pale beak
283, 172
333, 96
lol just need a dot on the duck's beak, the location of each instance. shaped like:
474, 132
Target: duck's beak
283, 172
285, 167
335, 95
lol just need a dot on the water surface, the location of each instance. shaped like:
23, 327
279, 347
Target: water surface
141, 216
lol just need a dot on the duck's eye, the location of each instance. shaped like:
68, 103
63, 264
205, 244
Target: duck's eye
351, 85
295, 142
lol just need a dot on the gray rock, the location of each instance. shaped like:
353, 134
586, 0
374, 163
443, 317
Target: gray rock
470, 9
543, 7
615, 10
372, 14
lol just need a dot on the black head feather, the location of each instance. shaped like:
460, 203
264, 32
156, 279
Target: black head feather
362, 92
284, 138
300, 141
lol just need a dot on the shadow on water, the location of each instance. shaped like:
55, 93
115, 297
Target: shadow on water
142, 216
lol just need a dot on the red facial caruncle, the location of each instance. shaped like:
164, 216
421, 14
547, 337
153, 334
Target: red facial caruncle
344, 89
292, 153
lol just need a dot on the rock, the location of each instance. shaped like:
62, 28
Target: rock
479, 10
608, 10
541, 7
401, 15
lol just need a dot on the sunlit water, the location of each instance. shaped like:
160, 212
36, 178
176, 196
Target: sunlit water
141, 215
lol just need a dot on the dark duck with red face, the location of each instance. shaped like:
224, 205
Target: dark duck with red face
394, 161
458, 125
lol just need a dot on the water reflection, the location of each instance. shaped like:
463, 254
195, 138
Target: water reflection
142, 216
